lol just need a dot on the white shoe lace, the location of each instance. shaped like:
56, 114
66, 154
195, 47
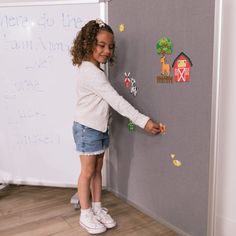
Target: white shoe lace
102, 214
93, 220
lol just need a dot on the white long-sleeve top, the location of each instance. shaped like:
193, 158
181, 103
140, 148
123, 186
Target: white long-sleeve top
94, 96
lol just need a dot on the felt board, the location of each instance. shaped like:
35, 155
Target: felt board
141, 169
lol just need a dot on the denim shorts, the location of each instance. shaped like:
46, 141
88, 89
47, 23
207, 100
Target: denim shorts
89, 141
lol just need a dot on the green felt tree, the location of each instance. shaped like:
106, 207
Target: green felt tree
164, 46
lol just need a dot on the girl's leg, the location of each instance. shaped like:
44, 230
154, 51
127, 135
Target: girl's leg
88, 164
96, 183
87, 218
96, 190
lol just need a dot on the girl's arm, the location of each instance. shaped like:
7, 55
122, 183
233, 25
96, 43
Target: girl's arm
102, 87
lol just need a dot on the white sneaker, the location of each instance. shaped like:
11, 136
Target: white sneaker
91, 224
103, 216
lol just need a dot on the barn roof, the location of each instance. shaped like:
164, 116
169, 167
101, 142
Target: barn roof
182, 54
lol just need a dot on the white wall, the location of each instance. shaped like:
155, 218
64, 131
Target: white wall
226, 178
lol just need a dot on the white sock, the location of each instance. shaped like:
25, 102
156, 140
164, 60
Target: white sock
85, 212
96, 206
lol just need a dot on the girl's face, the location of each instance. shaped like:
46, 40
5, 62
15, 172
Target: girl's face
103, 49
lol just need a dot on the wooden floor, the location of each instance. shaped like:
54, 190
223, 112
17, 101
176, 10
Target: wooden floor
44, 211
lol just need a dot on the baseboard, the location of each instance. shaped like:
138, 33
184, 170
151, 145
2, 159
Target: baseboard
225, 226
39, 183
147, 212
2, 186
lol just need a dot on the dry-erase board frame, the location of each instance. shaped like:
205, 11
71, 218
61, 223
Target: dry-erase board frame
40, 3
37, 92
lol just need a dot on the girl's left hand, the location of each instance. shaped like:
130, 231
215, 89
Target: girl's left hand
153, 127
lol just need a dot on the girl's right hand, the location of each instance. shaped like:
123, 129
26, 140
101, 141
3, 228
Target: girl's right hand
153, 127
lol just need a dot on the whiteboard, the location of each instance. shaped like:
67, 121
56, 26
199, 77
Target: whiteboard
37, 91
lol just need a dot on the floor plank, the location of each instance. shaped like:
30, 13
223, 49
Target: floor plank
46, 211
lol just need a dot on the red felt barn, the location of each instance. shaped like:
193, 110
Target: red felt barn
182, 66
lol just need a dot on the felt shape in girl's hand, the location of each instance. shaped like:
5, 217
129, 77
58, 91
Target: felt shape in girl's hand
162, 128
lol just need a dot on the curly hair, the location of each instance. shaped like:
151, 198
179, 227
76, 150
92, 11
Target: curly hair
85, 40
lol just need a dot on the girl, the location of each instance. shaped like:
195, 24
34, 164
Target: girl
94, 45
